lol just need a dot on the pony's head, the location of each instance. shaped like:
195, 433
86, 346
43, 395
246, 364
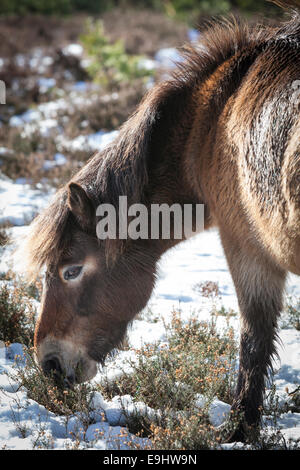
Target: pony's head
89, 295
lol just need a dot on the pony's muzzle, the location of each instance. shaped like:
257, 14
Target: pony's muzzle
51, 365
65, 362
53, 368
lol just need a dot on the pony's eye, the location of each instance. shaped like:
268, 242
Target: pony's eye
72, 272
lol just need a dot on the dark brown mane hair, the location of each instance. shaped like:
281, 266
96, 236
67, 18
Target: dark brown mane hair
123, 167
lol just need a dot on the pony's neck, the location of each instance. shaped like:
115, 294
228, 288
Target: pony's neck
212, 98
161, 149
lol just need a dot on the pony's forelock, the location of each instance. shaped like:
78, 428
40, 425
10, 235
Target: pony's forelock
45, 239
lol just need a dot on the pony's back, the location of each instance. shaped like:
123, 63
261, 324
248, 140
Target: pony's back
261, 125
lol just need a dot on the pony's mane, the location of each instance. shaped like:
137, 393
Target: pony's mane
122, 168
46, 238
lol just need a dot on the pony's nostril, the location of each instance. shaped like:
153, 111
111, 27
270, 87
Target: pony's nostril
52, 366
69, 381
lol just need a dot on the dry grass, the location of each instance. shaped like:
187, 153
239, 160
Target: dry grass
84, 112
17, 313
292, 313
197, 359
44, 390
27, 152
143, 31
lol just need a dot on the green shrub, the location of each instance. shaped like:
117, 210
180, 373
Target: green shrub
179, 8
109, 64
93, 6
185, 8
58, 7
21, 7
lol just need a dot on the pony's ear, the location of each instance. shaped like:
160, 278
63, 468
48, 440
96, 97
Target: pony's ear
81, 206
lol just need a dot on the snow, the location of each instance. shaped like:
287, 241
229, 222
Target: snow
193, 35
46, 84
168, 57
80, 86
147, 64
288, 368
199, 259
75, 50
218, 411
19, 202
58, 160
25, 423
91, 142
5, 150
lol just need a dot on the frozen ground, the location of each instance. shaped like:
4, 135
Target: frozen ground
200, 259
23, 422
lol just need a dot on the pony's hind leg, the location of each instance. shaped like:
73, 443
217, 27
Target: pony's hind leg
259, 285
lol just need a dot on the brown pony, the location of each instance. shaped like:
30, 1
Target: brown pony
223, 131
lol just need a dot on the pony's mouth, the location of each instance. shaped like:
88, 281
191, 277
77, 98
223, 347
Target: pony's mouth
70, 363
67, 375
66, 364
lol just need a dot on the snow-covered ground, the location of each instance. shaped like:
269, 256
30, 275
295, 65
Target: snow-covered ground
199, 259
23, 422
